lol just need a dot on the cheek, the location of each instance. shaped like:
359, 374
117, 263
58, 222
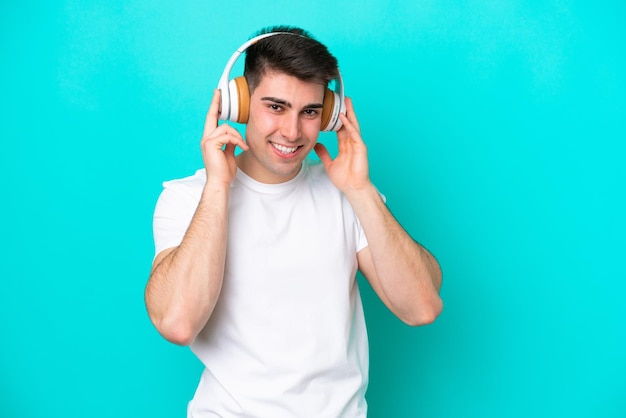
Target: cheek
311, 129
262, 122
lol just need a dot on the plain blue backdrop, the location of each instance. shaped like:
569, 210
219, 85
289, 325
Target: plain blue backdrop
496, 130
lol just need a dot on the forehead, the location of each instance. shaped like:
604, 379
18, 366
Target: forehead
277, 84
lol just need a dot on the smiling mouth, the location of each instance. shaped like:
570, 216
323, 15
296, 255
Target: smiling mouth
283, 149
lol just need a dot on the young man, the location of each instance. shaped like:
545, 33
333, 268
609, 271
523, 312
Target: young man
257, 253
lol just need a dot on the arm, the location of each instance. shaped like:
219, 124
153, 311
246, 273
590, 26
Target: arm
186, 281
403, 274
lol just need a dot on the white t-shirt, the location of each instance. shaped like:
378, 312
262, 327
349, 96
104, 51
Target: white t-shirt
287, 337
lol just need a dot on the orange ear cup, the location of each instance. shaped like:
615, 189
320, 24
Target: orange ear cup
243, 93
327, 111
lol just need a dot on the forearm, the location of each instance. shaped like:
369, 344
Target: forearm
184, 286
407, 276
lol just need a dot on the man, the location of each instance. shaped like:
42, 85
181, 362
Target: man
257, 253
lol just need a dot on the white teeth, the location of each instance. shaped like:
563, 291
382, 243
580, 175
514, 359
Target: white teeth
284, 149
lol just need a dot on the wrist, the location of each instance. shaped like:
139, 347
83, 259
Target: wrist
213, 189
367, 193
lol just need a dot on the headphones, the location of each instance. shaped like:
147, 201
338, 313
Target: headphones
235, 95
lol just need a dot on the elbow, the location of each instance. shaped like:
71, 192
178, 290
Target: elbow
173, 324
428, 307
174, 330
425, 313
179, 336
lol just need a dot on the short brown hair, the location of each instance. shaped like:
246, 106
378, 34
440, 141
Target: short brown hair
300, 56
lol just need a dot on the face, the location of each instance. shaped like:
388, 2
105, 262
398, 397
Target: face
283, 126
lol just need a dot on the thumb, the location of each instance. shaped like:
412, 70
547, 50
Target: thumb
323, 154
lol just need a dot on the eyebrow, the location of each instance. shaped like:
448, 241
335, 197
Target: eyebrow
288, 104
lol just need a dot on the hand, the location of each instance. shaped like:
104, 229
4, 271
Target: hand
218, 146
349, 171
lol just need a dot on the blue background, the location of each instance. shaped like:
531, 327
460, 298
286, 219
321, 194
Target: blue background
496, 130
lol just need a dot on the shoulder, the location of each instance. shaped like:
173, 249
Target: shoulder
190, 182
186, 189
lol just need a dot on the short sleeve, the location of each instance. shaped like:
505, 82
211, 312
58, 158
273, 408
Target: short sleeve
174, 210
361, 239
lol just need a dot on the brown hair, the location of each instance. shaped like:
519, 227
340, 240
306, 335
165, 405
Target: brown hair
300, 56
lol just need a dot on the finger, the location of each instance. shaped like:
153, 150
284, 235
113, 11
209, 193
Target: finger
343, 140
221, 130
350, 130
230, 149
234, 140
323, 154
210, 122
351, 114
218, 142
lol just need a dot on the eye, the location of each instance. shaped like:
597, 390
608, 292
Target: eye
275, 107
311, 112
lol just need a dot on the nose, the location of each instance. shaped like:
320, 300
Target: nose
290, 126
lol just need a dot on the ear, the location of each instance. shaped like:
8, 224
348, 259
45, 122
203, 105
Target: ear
239, 100
330, 112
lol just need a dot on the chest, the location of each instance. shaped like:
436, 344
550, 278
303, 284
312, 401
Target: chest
294, 240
